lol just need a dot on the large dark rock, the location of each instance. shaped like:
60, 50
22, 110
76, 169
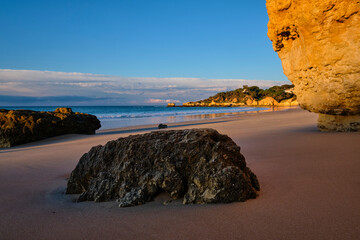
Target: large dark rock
23, 126
198, 165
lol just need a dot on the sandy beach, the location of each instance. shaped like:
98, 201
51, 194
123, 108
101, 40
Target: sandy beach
310, 187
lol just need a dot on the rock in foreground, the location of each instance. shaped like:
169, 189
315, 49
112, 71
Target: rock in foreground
23, 126
198, 165
318, 42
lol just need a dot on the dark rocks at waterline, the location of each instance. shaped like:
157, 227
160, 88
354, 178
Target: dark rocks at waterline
198, 165
162, 126
23, 126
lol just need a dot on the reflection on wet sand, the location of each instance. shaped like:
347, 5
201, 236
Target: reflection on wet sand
129, 122
170, 119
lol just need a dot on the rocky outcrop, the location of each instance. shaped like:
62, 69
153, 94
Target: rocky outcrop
289, 102
251, 102
23, 126
267, 101
171, 105
338, 123
162, 126
318, 42
198, 165
250, 96
212, 104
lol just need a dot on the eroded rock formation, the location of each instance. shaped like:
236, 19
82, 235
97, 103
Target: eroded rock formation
250, 96
198, 165
318, 42
23, 126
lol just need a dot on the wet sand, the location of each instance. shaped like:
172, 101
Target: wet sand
310, 187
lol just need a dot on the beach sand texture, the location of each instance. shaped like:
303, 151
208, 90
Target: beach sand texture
310, 188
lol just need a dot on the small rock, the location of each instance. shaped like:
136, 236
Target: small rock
162, 126
171, 105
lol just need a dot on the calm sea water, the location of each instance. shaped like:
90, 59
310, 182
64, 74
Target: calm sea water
125, 116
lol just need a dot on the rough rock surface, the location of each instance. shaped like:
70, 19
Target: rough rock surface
268, 101
198, 165
338, 123
162, 126
318, 42
23, 126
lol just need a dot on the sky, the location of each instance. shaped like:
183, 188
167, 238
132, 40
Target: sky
132, 52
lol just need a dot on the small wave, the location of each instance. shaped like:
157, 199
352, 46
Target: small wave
141, 112
167, 113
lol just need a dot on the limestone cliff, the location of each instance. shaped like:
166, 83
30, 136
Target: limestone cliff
318, 42
250, 96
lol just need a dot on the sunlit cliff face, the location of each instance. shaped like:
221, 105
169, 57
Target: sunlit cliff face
318, 42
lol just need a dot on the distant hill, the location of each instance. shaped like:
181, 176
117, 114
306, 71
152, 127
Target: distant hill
250, 96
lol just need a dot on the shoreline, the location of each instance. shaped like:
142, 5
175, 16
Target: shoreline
200, 118
226, 117
308, 179
129, 116
153, 127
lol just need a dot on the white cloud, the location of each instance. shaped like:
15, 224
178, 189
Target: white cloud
14, 86
137, 90
81, 84
162, 101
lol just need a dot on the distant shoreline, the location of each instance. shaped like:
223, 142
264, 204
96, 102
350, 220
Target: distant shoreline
230, 105
127, 116
196, 120
248, 96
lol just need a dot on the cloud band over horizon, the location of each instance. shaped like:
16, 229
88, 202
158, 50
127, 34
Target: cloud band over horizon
45, 88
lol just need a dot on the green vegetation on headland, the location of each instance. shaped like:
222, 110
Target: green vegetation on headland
249, 96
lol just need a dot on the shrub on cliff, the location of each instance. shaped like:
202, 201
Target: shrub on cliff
279, 93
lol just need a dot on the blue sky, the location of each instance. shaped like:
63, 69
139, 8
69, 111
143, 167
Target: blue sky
134, 39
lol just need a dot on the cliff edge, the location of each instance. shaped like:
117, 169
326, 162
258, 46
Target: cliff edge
250, 96
318, 42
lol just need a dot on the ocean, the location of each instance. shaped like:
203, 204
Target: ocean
127, 116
